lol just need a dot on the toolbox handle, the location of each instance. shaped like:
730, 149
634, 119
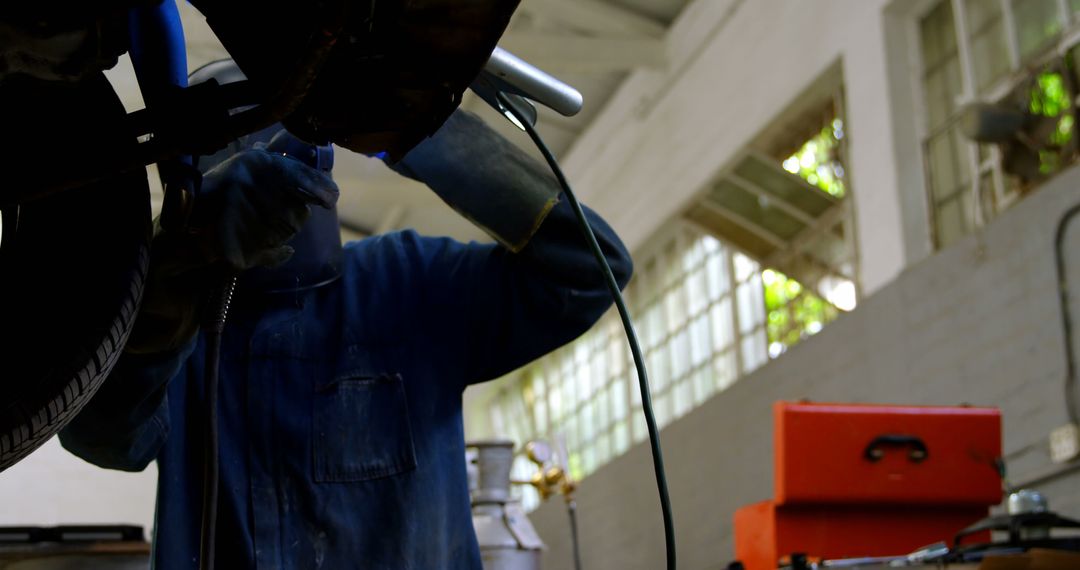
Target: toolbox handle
875, 449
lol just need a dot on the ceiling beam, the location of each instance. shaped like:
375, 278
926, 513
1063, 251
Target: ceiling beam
771, 199
597, 16
579, 54
748, 225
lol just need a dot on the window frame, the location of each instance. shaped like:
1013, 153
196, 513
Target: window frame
1019, 72
649, 291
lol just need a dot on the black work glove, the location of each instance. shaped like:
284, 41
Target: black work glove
249, 206
485, 178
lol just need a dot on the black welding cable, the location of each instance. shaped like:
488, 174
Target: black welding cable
1071, 380
215, 325
628, 326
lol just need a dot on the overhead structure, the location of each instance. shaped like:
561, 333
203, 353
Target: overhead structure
779, 219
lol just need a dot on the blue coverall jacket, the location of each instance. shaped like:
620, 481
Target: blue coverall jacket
341, 414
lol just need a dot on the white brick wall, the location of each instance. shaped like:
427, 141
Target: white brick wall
977, 323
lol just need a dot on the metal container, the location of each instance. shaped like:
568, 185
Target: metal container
1026, 502
507, 539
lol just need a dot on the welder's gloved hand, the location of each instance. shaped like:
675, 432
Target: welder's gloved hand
485, 177
254, 202
249, 206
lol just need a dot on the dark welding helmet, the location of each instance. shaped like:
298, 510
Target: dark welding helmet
316, 260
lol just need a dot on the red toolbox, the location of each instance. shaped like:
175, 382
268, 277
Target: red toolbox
875, 454
871, 480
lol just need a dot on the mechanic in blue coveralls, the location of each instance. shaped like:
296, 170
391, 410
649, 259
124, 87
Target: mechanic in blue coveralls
342, 369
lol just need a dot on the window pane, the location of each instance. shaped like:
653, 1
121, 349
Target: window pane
675, 307
618, 398
662, 409
566, 377
617, 351
722, 325
724, 369
659, 367
574, 463
940, 63
699, 340
987, 193
584, 379
704, 387
751, 305
695, 291
603, 449
943, 177
682, 399
599, 367
680, 354
949, 164
1037, 21
744, 267
603, 410
570, 429
646, 285
961, 146
989, 50
718, 277
621, 438
540, 412
671, 267
581, 353
950, 222
654, 325
943, 85
588, 460
757, 299
555, 401
640, 430
753, 352
938, 39
587, 423
693, 254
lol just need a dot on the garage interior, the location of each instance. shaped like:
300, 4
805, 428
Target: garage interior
821, 228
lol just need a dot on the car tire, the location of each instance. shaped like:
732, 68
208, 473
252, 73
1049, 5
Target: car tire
72, 265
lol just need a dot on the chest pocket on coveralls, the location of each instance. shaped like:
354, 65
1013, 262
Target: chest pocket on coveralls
362, 429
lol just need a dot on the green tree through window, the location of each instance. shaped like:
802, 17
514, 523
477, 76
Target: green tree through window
1049, 97
818, 162
793, 311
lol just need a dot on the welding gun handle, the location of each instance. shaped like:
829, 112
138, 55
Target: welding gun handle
510, 74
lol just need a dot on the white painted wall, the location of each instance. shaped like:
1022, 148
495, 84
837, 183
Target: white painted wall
735, 66
53, 487
977, 323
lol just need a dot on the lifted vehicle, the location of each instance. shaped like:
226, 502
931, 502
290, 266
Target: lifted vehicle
368, 75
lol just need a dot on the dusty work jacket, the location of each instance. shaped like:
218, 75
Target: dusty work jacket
341, 418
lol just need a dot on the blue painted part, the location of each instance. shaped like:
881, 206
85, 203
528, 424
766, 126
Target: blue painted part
158, 51
159, 56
